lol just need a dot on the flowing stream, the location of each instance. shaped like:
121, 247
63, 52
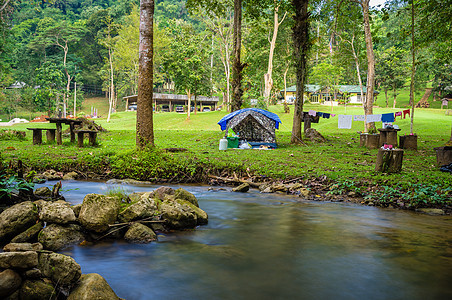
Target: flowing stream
265, 246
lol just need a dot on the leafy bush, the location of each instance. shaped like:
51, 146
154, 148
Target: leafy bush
7, 135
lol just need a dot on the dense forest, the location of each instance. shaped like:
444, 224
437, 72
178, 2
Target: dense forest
49, 47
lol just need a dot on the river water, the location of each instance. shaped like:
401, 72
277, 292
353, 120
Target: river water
265, 246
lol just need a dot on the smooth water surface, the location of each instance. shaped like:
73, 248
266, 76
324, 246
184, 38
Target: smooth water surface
261, 246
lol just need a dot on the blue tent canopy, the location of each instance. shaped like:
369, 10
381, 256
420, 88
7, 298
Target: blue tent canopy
224, 121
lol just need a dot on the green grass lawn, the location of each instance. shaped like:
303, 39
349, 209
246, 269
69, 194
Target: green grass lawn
340, 159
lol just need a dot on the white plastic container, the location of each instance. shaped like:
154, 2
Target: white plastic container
223, 144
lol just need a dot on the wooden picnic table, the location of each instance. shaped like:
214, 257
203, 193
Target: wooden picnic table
58, 122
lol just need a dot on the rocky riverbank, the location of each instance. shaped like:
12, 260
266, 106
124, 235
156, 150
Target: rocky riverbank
33, 229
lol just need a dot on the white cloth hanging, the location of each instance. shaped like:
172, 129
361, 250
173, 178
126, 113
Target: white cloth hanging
344, 121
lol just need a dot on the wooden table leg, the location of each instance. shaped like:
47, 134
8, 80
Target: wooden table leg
71, 128
50, 135
37, 137
80, 139
59, 137
92, 138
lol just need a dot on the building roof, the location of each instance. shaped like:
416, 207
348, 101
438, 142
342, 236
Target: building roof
312, 88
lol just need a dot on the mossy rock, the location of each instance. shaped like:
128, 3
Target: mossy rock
187, 196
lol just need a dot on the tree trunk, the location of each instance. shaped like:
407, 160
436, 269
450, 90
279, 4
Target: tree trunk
386, 97
237, 66
189, 103
268, 76
395, 98
413, 67
301, 47
368, 104
112, 87
286, 107
355, 56
145, 126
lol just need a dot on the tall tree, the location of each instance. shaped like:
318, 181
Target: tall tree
61, 34
186, 61
237, 65
301, 48
391, 71
145, 123
268, 76
370, 86
107, 40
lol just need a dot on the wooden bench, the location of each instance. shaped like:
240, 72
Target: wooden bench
92, 137
37, 135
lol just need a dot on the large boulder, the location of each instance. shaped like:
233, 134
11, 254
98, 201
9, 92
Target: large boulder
10, 282
98, 211
92, 286
58, 212
139, 233
201, 216
145, 207
61, 269
178, 215
37, 290
29, 235
18, 260
16, 219
56, 237
186, 195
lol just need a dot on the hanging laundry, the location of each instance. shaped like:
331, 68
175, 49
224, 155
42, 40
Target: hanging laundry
344, 122
312, 113
319, 114
399, 113
326, 115
387, 118
406, 112
358, 118
333, 115
373, 118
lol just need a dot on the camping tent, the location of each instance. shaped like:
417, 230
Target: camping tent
256, 126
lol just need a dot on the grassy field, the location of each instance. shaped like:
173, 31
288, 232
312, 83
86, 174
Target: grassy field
340, 160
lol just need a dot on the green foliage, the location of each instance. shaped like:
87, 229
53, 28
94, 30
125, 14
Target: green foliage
121, 194
343, 186
13, 185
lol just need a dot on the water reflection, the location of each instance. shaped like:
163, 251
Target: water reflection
270, 247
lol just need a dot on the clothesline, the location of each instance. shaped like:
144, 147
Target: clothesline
345, 121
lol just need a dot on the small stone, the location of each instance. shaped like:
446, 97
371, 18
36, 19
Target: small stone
43, 192
304, 192
267, 190
139, 233
70, 176
431, 211
243, 188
